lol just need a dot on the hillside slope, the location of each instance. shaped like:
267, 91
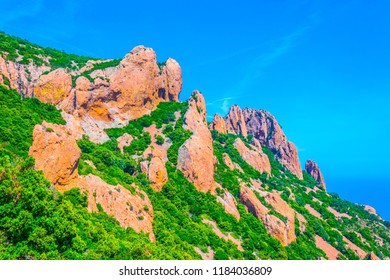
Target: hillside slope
115, 167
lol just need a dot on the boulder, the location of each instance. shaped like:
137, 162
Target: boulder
56, 153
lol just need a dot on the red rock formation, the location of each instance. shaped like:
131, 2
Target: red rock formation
283, 208
315, 172
218, 124
196, 158
255, 158
235, 121
155, 157
264, 127
56, 153
117, 94
53, 87
370, 209
226, 159
22, 77
331, 252
139, 85
313, 211
130, 210
277, 228
358, 251
124, 141
229, 203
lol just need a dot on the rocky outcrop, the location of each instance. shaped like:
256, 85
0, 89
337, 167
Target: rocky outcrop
196, 158
370, 209
218, 124
254, 157
139, 84
155, 157
124, 141
264, 127
131, 210
358, 251
226, 159
56, 153
235, 121
284, 232
315, 172
229, 203
283, 208
21, 77
331, 252
53, 87
108, 97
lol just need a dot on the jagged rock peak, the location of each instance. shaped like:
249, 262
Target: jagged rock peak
218, 124
315, 172
235, 121
264, 127
196, 157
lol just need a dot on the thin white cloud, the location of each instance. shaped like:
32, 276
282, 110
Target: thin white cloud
225, 106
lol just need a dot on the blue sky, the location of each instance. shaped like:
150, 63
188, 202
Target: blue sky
321, 67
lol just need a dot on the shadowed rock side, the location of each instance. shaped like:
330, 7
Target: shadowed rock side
196, 157
264, 127
315, 172
235, 121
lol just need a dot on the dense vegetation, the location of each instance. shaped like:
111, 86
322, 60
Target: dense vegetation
16, 49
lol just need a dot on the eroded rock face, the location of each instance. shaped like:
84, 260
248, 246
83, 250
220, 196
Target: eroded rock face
275, 227
21, 77
235, 121
315, 172
155, 157
228, 161
115, 96
124, 141
130, 210
255, 158
139, 85
196, 158
264, 127
229, 203
218, 124
283, 208
56, 153
53, 87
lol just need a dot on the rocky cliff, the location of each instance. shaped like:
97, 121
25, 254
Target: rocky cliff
315, 172
101, 98
196, 157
